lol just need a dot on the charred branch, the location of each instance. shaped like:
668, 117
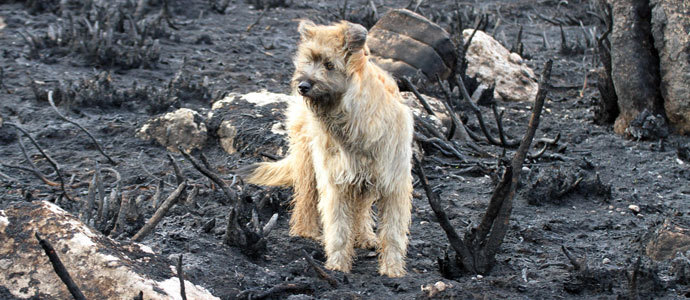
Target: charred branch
60, 269
52, 162
98, 146
160, 212
230, 196
322, 273
181, 277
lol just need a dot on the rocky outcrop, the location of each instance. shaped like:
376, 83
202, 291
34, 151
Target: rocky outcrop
407, 44
671, 32
101, 267
183, 127
251, 123
492, 64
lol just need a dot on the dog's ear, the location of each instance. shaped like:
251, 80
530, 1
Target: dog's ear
306, 29
355, 37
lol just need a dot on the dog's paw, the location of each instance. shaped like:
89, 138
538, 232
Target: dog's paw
392, 270
339, 261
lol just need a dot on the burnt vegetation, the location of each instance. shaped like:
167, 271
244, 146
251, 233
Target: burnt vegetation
512, 199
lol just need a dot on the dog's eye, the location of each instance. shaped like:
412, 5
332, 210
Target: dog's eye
329, 65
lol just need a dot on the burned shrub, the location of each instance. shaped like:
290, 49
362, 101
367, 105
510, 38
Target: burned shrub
106, 35
100, 91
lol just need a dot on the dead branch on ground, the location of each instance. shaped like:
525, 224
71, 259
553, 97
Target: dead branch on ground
181, 277
322, 273
98, 146
476, 251
160, 212
50, 160
60, 269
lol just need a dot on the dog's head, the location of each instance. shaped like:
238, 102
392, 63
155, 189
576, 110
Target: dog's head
327, 57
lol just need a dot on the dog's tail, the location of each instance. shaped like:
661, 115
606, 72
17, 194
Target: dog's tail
278, 173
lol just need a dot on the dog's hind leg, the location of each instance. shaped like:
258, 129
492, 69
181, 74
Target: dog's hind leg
364, 223
304, 220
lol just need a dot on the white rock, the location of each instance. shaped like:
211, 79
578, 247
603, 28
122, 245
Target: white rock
183, 127
605, 261
101, 267
634, 208
489, 62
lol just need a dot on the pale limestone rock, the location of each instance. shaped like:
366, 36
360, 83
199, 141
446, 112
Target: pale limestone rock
183, 127
489, 62
101, 267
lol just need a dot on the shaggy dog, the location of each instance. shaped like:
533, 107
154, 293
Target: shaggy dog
350, 147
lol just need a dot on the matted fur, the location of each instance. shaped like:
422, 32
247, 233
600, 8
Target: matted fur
350, 146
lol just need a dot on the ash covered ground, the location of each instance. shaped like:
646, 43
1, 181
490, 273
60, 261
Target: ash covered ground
112, 76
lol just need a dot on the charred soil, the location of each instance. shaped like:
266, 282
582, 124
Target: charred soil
112, 66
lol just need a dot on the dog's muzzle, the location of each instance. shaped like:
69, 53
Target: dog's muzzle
304, 87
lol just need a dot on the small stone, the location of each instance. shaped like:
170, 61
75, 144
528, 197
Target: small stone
480, 277
634, 208
606, 261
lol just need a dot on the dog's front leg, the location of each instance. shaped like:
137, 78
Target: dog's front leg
338, 234
394, 218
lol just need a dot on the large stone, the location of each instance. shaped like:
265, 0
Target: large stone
251, 123
101, 267
183, 127
634, 64
491, 63
671, 32
407, 44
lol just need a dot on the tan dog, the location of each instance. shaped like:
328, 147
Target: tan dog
350, 147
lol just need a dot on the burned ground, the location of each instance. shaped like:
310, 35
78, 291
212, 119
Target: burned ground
111, 68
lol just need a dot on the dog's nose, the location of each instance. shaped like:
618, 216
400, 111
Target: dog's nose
304, 87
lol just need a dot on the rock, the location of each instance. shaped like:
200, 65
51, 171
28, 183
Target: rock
668, 241
101, 267
407, 44
432, 290
634, 64
646, 126
183, 127
251, 123
491, 63
634, 208
671, 32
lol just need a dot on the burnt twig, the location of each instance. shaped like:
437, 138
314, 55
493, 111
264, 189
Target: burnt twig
577, 264
60, 269
419, 96
322, 273
34, 169
478, 114
160, 212
181, 277
52, 162
98, 146
230, 197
